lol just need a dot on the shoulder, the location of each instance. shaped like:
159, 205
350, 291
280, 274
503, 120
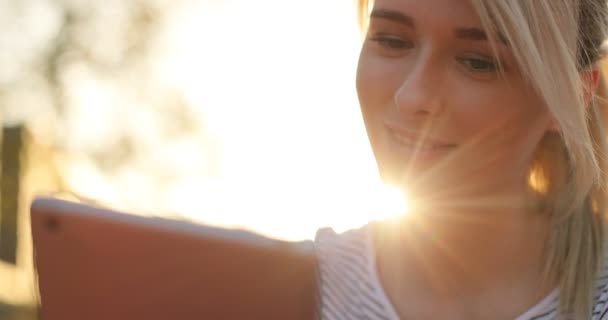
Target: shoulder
349, 287
600, 305
350, 249
353, 237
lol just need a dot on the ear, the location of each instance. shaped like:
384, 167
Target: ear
591, 80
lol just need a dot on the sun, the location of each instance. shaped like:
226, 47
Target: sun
393, 203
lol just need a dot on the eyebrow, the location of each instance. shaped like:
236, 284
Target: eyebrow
469, 33
477, 34
394, 16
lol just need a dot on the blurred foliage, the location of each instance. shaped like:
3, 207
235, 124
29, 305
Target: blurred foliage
79, 75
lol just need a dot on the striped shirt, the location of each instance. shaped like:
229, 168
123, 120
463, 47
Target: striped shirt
351, 290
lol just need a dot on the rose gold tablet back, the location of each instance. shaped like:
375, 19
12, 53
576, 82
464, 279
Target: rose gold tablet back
97, 264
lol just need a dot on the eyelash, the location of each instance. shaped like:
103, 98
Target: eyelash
392, 42
396, 44
488, 64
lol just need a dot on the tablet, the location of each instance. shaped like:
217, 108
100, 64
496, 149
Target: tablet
94, 263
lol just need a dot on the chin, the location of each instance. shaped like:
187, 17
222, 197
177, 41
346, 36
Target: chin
396, 177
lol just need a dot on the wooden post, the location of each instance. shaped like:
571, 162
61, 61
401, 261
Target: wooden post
12, 146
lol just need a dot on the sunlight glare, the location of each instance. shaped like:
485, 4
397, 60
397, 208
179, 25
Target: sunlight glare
393, 203
277, 93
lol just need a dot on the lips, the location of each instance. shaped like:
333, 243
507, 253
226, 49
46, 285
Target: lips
420, 143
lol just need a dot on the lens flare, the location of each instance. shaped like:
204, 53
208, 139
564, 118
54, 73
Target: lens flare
393, 202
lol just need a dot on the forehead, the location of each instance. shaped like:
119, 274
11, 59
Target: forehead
449, 13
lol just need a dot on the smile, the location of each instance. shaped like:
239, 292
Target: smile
414, 142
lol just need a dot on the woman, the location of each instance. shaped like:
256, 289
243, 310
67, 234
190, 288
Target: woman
487, 112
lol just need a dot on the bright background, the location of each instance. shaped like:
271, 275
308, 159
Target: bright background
235, 113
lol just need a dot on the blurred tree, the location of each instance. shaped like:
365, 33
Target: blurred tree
82, 79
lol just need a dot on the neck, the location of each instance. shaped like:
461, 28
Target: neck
467, 257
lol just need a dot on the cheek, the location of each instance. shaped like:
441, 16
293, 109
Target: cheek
510, 121
494, 106
377, 82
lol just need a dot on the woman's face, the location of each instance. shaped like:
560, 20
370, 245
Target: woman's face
436, 107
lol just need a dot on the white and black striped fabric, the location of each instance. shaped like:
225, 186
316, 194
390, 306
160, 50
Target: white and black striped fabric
350, 288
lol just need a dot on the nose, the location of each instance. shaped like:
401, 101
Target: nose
420, 90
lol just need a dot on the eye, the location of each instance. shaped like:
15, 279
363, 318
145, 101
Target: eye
392, 42
479, 64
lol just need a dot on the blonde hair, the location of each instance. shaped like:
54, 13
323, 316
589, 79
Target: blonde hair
553, 41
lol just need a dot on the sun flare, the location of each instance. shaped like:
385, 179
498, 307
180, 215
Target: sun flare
393, 203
